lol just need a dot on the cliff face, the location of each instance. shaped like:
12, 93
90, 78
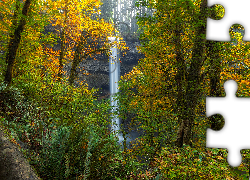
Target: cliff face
99, 69
99, 78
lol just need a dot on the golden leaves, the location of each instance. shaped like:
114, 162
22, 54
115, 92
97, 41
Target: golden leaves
76, 26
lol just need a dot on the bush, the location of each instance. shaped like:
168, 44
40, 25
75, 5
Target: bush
11, 102
73, 152
191, 163
66, 131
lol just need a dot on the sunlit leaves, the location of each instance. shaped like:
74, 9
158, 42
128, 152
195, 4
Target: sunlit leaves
78, 26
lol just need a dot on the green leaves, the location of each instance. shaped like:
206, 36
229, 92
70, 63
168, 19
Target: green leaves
191, 163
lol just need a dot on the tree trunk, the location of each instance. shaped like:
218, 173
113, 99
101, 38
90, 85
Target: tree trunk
14, 43
215, 68
213, 48
78, 57
193, 80
62, 49
180, 80
61, 57
75, 64
181, 73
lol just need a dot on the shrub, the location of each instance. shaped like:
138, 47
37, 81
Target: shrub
11, 102
84, 153
191, 163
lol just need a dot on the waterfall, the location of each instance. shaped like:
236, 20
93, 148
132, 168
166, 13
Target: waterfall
114, 77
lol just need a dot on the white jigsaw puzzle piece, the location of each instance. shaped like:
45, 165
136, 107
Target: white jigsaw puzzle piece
236, 12
235, 134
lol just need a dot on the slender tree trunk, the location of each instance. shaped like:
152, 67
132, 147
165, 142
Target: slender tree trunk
181, 73
61, 57
62, 50
193, 80
215, 68
15, 16
14, 43
214, 75
78, 57
75, 63
180, 79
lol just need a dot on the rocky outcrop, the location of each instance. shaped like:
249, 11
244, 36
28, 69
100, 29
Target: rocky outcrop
13, 165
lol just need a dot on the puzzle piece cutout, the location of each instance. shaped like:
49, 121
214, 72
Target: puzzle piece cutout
235, 134
236, 12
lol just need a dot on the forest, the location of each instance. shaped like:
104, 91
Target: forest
64, 126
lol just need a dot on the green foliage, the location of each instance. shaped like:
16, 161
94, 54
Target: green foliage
52, 160
192, 163
65, 128
11, 102
78, 152
164, 93
66, 132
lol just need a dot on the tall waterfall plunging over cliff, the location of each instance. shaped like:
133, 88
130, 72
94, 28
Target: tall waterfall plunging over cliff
114, 77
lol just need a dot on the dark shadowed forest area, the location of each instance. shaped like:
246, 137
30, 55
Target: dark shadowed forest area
52, 108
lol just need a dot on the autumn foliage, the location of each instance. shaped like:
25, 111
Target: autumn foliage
67, 130
166, 92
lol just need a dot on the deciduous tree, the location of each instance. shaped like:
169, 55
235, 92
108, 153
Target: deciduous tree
15, 38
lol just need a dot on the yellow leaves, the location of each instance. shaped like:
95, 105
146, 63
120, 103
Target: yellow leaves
133, 104
246, 82
76, 12
133, 74
74, 18
219, 157
6, 11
